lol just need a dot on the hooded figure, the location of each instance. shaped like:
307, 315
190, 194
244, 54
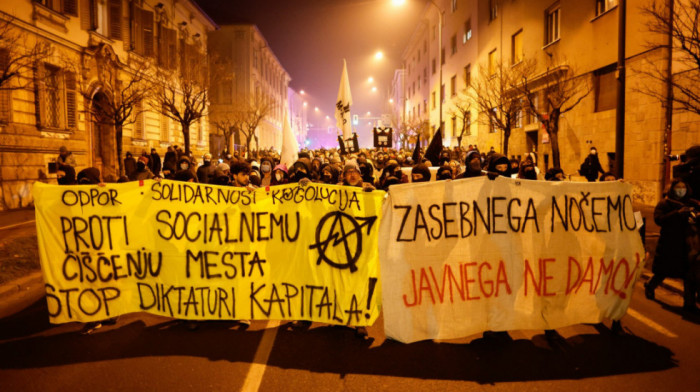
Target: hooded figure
591, 166
527, 170
330, 174
206, 171
142, 171
671, 260
89, 176
66, 176
280, 176
367, 171
300, 170
391, 175
499, 165
155, 163
420, 173
554, 174
472, 164
444, 173
183, 164
170, 162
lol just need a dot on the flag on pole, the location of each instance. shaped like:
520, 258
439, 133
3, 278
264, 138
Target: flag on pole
290, 147
434, 149
342, 106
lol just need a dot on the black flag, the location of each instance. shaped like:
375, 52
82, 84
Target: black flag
432, 153
416, 151
341, 142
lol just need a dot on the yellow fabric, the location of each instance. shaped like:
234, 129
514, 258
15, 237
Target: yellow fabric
202, 252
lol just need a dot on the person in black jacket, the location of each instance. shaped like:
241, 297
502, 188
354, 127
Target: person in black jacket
671, 260
129, 166
154, 163
591, 166
472, 164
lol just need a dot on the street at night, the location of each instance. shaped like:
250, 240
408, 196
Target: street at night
349, 195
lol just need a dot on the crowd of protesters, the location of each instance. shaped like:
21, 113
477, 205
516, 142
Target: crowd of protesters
677, 254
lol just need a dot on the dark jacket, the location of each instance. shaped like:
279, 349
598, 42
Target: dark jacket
155, 164
671, 257
170, 162
591, 167
129, 166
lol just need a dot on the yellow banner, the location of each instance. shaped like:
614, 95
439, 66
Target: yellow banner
203, 252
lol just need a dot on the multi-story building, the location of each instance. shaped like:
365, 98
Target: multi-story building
297, 115
90, 49
257, 80
564, 36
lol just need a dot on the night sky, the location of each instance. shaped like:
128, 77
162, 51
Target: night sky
311, 38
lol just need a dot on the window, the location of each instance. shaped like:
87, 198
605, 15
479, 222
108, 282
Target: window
67, 7
468, 75
467, 31
442, 93
57, 98
492, 121
425, 106
517, 47
433, 99
605, 88
200, 130
603, 6
454, 5
434, 66
442, 56
468, 124
138, 121
519, 115
5, 94
493, 10
492, 62
453, 85
164, 127
167, 48
453, 120
553, 19
114, 11
418, 84
453, 44
142, 33
425, 75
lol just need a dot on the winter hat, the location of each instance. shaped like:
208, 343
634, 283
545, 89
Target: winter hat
351, 165
423, 169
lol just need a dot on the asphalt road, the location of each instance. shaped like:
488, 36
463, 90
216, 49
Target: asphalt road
659, 352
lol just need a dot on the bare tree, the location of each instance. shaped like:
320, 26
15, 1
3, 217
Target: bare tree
18, 57
227, 127
183, 95
550, 94
124, 103
681, 26
247, 116
494, 96
462, 110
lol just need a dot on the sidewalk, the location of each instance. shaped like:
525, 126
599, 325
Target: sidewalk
20, 293
13, 217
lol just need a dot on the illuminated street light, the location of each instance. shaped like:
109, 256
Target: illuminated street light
379, 55
391, 100
398, 3
371, 79
368, 113
302, 92
306, 104
327, 117
316, 109
374, 89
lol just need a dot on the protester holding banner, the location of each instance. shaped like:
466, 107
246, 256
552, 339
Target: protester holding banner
671, 260
472, 164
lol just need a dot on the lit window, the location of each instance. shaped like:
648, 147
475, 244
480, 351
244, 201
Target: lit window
492, 62
553, 19
517, 46
603, 6
467, 31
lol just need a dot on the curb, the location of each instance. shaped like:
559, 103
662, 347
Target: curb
18, 294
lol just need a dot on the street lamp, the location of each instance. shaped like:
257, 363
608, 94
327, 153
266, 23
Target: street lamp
379, 55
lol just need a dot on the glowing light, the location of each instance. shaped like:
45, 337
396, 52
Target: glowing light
398, 3
379, 55
316, 109
374, 89
306, 104
391, 100
327, 117
369, 114
371, 79
302, 92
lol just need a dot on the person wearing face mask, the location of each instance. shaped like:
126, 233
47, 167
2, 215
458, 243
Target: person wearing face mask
391, 175
330, 174
142, 171
472, 164
183, 165
591, 166
527, 170
554, 174
499, 165
266, 172
420, 173
672, 251
280, 175
206, 171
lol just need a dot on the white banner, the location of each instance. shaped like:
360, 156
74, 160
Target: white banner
342, 105
466, 256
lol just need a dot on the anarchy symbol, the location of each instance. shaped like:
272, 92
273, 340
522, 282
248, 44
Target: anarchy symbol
343, 229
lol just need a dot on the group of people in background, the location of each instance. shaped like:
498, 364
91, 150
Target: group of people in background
677, 254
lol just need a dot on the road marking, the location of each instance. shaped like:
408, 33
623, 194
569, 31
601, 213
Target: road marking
651, 323
16, 224
257, 368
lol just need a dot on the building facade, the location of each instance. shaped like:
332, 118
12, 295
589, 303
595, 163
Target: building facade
576, 37
92, 47
255, 80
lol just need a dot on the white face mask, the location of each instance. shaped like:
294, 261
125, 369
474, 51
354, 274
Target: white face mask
680, 192
594, 152
278, 176
265, 168
184, 166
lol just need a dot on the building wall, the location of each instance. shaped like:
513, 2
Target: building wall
255, 71
97, 57
587, 44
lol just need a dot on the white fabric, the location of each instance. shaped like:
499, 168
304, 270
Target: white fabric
343, 104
